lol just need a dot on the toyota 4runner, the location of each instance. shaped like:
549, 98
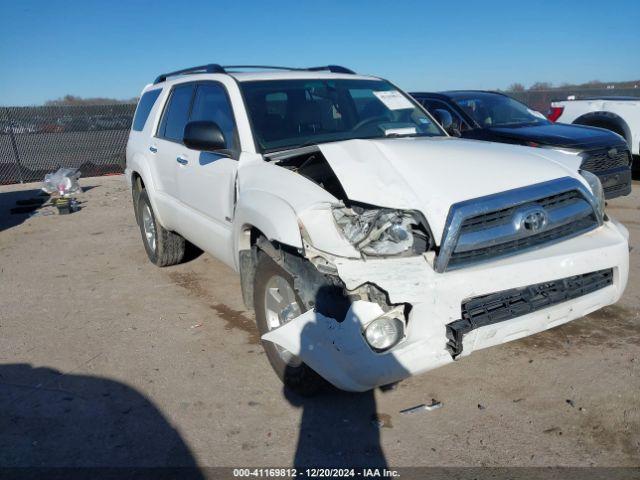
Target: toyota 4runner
371, 245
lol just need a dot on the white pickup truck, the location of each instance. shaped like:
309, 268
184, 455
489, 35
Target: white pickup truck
618, 114
371, 245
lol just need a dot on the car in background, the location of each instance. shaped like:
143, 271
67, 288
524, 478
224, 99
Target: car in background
496, 117
618, 114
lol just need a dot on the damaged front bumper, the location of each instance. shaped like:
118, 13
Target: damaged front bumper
338, 351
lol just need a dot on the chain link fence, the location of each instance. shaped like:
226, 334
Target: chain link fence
38, 140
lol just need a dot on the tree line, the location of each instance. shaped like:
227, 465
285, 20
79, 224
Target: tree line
74, 100
593, 84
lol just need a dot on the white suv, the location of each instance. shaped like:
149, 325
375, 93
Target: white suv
370, 244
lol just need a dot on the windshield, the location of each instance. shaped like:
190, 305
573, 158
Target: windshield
494, 110
293, 113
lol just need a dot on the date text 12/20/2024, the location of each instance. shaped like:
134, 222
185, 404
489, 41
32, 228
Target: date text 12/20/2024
315, 472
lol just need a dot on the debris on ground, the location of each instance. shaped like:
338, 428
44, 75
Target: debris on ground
197, 325
570, 402
422, 407
64, 182
553, 430
29, 205
481, 407
62, 186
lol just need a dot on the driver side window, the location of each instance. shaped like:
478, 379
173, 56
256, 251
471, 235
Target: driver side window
212, 104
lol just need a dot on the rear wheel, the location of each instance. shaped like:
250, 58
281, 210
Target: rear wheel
163, 247
276, 303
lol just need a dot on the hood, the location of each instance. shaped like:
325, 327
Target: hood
431, 174
559, 135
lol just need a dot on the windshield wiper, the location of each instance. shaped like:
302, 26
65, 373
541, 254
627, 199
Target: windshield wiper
311, 143
405, 135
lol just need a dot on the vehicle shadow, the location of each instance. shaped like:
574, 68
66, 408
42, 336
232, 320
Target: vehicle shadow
50, 419
338, 428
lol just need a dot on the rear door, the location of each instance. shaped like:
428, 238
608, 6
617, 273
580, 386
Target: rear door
206, 180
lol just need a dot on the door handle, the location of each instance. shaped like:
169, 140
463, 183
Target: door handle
182, 160
153, 149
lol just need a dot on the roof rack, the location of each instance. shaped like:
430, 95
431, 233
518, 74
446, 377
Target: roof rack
332, 69
210, 68
215, 68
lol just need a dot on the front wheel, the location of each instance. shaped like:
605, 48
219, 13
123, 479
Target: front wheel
276, 303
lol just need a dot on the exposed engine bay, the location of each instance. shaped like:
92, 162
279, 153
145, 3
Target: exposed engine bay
373, 231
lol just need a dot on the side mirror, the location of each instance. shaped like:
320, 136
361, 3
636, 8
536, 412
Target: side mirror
443, 117
204, 136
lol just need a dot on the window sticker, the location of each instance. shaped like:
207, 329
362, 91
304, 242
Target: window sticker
394, 100
400, 131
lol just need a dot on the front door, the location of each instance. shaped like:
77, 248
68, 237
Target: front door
206, 180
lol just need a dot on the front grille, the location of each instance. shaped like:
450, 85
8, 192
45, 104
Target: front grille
599, 160
523, 244
511, 222
497, 307
505, 215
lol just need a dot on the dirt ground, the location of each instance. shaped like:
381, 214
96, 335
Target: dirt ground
106, 359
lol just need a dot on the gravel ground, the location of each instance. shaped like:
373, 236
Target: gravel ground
106, 359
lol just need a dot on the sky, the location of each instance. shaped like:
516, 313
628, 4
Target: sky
113, 48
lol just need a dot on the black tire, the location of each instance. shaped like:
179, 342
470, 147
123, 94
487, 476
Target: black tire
301, 379
169, 246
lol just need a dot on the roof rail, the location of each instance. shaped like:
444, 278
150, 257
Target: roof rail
261, 67
215, 68
210, 68
332, 69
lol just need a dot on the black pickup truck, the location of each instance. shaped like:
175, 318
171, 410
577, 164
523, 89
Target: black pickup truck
496, 117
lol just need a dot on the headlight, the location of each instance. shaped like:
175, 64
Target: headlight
596, 189
384, 332
380, 231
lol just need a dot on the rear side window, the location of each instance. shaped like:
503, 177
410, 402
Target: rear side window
176, 114
212, 104
146, 103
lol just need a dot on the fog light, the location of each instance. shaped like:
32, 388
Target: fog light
384, 332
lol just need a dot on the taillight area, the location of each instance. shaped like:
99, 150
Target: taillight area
554, 113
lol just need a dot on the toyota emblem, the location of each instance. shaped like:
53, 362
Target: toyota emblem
534, 221
530, 219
